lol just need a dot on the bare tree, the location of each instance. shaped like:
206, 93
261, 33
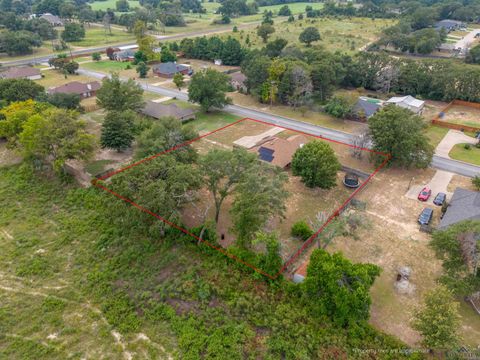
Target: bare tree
302, 87
360, 141
106, 23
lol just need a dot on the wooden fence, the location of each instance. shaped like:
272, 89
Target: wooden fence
437, 121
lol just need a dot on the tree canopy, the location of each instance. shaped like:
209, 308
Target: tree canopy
118, 130
118, 95
309, 35
400, 133
208, 88
337, 288
317, 165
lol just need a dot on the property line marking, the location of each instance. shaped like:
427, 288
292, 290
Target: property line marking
299, 251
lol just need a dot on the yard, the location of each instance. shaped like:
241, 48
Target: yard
303, 204
393, 240
463, 115
96, 36
346, 34
111, 4
466, 153
54, 78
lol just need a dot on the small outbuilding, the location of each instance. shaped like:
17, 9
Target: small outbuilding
21, 72
54, 20
408, 102
159, 110
124, 55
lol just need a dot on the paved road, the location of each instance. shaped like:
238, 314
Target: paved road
438, 162
466, 41
43, 59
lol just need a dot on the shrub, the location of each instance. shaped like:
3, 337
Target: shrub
301, 230
467, 146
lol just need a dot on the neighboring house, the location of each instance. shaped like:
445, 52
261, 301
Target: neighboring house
75, 87
366, 107
464, 205
124, 55
408, 102
21, 72
448, 48
449, 25
278, 151
237, 79
169, 69
54, 20
159, 110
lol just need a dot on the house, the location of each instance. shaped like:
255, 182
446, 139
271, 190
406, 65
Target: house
278, 151
168, 69
408, 102
237, 79
218, 62
366, 107
448, 48
75, 87
124, 55
54, 20
21, 72
158, 110
464, 205
449, 25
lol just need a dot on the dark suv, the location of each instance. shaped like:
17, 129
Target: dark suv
440, 199
425, 217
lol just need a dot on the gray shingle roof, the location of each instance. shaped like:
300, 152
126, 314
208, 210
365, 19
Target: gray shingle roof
368, 107
169, 68
20, 72
158, 111
464, 205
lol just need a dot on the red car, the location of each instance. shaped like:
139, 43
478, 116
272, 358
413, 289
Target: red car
424, 194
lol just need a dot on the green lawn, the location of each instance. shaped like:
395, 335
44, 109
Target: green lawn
95, 36
105, 66
111, 4
436, 134
295, 8
471, 155
348, 34
213, 120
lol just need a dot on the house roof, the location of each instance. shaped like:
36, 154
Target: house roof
464, 205
238, 77
52, 19
278, 151
408, 100
76, 87
448, 24
19, 72
368, 105
127, 53
169, 68
158, 110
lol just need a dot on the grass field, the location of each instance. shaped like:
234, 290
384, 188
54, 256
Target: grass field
111, 4
53, 78
337, 34
106, 66
95, 36
435, 134
471, 155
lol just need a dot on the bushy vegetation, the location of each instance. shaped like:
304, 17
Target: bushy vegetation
182, 295
301, 230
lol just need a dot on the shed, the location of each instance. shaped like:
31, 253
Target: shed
408, 102
54, 20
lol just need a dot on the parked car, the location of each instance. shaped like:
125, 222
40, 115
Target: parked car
425, 216
440, 199
424, 194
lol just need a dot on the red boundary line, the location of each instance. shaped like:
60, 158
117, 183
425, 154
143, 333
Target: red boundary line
219, 248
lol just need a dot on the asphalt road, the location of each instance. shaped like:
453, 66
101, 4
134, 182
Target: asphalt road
441, 163
43, 59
